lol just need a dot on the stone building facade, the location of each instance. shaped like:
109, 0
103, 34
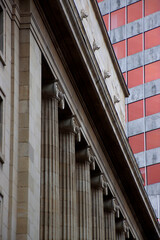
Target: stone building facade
134, 29
66, 167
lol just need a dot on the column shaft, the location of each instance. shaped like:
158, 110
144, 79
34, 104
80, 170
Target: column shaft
120, 236
68, 186
97, 214
110, 230
84, 201
49, 220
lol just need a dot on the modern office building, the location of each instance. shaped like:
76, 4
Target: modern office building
134, 29
67, 171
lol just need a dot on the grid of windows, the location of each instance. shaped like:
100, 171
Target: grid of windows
140, 37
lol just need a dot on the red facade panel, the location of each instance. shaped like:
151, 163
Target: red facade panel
118, 18
142, 170
153, 139
153, 105
152, 38
134, 11
135, 77
151, 6
152, 71
120, 49
137, 143
135, 110
106, 21
124, 75
135, 44
153, 174
126, 113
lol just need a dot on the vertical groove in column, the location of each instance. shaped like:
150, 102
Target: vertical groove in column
84, 201
97, 214
49, 216
110, 229
120, 236
68, 186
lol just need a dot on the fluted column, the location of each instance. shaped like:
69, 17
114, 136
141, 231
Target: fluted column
97, 208
84, 160
109, 215
121, 230
68, 131
49, 202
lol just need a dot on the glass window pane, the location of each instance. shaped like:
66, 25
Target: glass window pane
135, 77
106, 21
135, 44
137, 143
134, 11
153, 174
153, 139
153, 105
120, 49
118, 18
152, 71
151, 6
152, 38
135, 110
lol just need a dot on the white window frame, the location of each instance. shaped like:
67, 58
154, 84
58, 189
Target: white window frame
2, 96
3, 53
1, 214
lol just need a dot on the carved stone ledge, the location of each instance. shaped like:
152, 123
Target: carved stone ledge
106, 74
52, 91
70, 125
84, 14
95, 45
116, 99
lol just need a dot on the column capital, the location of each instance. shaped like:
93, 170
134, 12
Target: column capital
121, 226
110, 205
52, 91
70, 125
98, 181
84, 155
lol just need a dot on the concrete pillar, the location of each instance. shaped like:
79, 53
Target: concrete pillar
97, 208
29, 139
84, 160
109, 216
121, 230
68, 132
50, 211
